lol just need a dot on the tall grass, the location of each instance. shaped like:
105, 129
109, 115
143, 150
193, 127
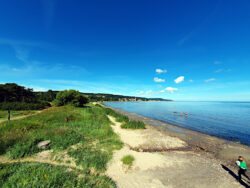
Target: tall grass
87, 127
134, 125
45, 175
118, 117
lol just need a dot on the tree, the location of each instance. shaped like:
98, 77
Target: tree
70, 97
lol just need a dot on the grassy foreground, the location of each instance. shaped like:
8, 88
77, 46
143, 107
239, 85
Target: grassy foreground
88, 129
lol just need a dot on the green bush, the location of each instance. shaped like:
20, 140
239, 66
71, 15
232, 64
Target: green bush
134, 125
70, 97
128, 160
23, 105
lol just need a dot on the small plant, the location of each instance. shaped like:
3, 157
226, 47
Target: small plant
134, 125
128, 160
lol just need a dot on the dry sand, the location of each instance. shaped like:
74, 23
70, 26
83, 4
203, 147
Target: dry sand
165, 169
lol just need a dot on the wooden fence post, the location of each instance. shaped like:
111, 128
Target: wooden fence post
8, 115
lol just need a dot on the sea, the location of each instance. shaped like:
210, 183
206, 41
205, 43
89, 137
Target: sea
228, 120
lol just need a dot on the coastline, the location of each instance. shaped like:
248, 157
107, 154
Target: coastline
220, 148
170, 158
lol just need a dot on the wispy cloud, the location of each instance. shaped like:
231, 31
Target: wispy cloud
191, 80
15, 69
26, 43
139, 92
159, 71
218, 70
210, 80
22, 54
217, 62
179, 79
222, 70
149, 92
156, 79
169, 89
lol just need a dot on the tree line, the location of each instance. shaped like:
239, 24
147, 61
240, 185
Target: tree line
15, 97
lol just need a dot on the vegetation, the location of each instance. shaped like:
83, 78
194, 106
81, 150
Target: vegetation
128, 160
134, 125
15, 114
47, 95
70, 97
87, 129
95, 97
15, 97
46, 175
118, 117
23, 106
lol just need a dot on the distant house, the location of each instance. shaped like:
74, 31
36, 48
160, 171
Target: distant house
132, 99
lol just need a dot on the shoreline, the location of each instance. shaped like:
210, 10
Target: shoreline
220, 148
165, 159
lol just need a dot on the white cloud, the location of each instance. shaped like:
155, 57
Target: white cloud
171, 89
162, 91
179, 79
191, 80
139, 92
37, 88
149, 92
159, 79
159, 71
210, 80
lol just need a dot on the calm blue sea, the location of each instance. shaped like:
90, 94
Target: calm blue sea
229, 120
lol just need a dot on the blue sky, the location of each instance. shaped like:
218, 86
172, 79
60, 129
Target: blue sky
195, 50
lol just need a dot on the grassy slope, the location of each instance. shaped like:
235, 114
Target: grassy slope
65, 126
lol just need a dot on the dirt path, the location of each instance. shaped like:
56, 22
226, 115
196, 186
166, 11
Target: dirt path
20, 117
46, 157
172, 169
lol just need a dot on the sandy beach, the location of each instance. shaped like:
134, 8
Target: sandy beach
169, 156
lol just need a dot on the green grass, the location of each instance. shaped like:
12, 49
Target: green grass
128, 160
87, 127
44, 175
133, 125
118, 117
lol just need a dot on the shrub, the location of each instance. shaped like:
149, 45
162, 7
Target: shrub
23, 105
70, 97
134, 125
128, 160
